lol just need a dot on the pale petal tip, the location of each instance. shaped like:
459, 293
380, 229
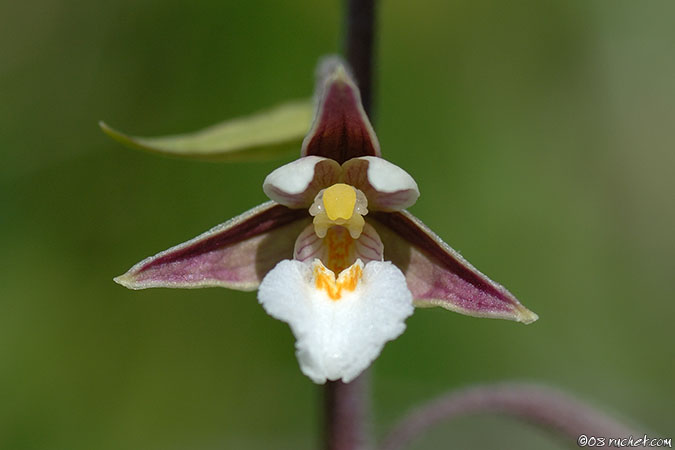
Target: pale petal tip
516, 313
127, 280
333, 68
340, 75
525, 316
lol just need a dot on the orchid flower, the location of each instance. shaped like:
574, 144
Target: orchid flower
334, 253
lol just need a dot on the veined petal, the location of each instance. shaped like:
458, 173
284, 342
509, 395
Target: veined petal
296, 184
387, 186
236, 254
341, 129
337, 335
438, 276
338, 250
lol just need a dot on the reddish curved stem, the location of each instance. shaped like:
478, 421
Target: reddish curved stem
541, 406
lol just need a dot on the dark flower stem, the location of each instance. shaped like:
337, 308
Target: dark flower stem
359, 46
346, 414
346, 405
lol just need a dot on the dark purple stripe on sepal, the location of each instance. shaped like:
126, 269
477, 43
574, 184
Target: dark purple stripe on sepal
341, 128
439, 276
236, 254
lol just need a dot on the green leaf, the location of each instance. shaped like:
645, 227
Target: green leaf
265, 135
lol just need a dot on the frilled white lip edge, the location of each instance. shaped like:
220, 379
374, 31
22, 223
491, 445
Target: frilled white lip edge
340, 325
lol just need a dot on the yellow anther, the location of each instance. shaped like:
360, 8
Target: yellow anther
339, 201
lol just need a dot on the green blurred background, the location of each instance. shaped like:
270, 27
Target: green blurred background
541, 135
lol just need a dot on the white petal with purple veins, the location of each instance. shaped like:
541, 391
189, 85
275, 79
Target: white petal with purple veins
296, 184
387, 186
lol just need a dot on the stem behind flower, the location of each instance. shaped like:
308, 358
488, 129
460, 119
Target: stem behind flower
346, 414
346, 404
359, 46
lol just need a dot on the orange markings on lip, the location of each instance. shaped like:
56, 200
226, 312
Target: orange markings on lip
347, 280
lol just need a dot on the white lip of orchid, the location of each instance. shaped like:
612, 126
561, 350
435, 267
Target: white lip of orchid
341, 323
339, 204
